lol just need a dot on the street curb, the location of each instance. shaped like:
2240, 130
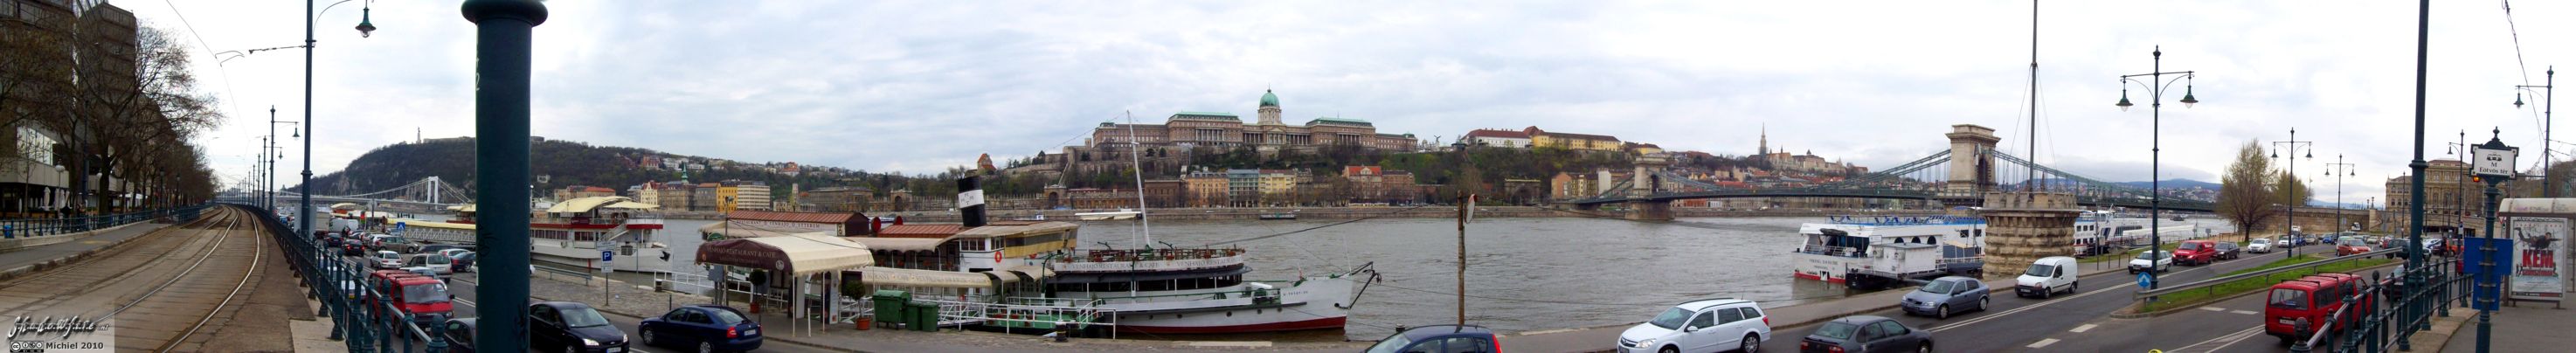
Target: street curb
20, 271
2133, 300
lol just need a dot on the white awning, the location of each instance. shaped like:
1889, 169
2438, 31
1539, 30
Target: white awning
586, 204
900, 244
1001, 231
799, 254
901, 277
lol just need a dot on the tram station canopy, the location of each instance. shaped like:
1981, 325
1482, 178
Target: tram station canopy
799, 254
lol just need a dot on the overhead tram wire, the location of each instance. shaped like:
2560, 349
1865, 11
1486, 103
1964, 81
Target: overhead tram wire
210, 54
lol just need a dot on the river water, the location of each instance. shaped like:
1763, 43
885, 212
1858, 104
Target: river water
1522, 273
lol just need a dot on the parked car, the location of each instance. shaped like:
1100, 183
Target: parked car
460, 335
442, 265
390, 242
1701, 326
1940, 296
2046, 277
352, 249
451, 253
423, 271
464, 261
2352, 245
2195, 252
1440, 338
441, 248
707, 328
2295, 308
387, 259
2158, 261
572, 327
2259, 246
1865, 333
2227, 251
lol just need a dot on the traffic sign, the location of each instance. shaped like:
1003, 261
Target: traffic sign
605, 255
2488, 265
2146, 279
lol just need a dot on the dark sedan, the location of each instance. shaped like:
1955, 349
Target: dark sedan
706, 328
460, 335
572, 327
1864, 333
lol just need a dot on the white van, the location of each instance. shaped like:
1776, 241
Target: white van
2046, 277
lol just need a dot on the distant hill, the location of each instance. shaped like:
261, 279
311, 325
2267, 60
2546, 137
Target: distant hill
568, 163
2175, 183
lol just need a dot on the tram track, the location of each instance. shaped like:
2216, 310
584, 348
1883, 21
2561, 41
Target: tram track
124, 289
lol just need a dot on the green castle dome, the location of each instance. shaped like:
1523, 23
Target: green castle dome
1269, 99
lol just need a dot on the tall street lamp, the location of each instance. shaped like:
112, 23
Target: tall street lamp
2295, 146
2459, 203
272, 135
2156, 86
2548, 181
304, 209
2345, 170
503, 42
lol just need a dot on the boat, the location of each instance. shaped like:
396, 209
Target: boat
1109, 216
1870, 252
1176, 290
1202, 290
574, 232
1278, 216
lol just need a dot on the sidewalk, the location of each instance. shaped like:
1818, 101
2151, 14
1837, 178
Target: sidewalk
25, 260
1596, 339
2532, 327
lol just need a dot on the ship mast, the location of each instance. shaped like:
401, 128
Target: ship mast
1137, 162
2027, 183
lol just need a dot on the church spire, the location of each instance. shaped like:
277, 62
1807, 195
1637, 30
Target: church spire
1766, 141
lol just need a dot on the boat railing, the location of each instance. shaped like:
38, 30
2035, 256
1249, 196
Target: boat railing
1255, 293
1830, 250
1959, 260
959, 313
1132, 255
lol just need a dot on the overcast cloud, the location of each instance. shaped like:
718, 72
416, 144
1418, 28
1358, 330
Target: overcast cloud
920, 86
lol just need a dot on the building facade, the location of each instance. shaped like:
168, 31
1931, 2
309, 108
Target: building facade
2453, 200
1268, 132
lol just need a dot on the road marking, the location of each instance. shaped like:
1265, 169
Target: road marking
2043, 343
1983, 318
2081, 329
2213, 308
2242, 312
2221, 341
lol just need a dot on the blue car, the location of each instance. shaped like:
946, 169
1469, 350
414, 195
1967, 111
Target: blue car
1440, 338
705, 328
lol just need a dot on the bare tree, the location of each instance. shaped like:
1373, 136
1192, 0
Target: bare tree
2245, 195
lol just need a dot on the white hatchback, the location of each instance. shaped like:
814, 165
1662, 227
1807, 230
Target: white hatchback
1710, 325
2259, 245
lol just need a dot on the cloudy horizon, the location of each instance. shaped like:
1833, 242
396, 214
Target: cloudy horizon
916, 87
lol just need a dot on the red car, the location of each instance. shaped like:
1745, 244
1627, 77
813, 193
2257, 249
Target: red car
2351, 245
423, 297
2297, 307
2195, 252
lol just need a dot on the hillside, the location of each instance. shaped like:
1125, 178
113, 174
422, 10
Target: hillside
568, 163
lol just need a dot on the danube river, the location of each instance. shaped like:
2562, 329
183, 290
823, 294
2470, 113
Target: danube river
1522, 273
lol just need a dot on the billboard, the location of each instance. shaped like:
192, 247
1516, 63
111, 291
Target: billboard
2538, 248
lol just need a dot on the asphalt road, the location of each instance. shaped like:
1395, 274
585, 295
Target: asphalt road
2068, 322
463, 292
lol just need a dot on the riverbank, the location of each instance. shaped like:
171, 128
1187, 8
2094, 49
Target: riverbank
1432, 211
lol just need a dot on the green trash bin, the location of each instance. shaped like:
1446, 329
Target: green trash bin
889, 306
925, 316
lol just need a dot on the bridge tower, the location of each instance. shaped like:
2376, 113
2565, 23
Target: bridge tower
1972, 166
1647, 180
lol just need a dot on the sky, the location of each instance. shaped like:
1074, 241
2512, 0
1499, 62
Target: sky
917, 87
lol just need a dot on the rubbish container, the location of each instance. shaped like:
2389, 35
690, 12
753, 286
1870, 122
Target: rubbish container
889, 305
925, 316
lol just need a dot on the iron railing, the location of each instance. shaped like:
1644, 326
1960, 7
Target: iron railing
37, 227
2391, 322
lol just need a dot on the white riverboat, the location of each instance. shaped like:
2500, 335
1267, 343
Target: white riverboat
1179, 290
572, 232
1873, 252
1110, 215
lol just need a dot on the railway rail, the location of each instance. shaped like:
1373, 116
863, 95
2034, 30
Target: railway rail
163, 287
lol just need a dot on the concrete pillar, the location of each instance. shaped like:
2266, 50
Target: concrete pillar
1650, 210
2022, 227
1970, 166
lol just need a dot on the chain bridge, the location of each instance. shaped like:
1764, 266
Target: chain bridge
1957, 177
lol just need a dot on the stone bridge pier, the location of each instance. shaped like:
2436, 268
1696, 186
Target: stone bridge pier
1650, 211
